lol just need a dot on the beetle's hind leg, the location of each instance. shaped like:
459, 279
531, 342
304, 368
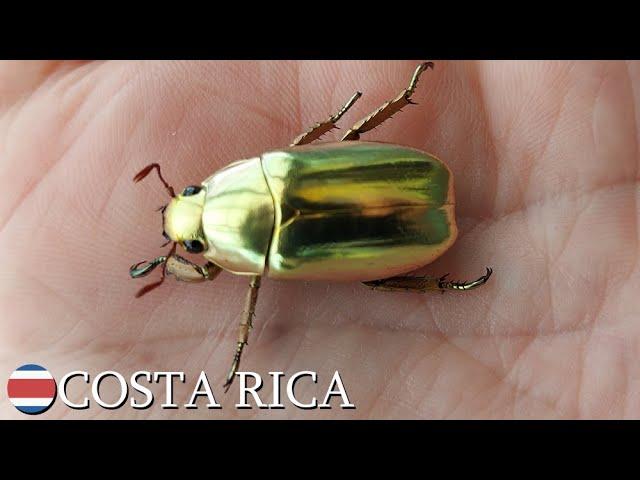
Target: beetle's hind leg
425, 284
319, 129
388, 109
246, 324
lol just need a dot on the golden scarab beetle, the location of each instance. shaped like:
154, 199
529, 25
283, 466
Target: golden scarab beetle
350, 210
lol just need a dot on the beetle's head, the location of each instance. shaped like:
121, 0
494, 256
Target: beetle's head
183, 219
182, 222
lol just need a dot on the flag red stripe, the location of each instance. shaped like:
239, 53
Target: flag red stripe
27, 388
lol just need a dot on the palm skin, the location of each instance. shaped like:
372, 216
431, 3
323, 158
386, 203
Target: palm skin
545, 158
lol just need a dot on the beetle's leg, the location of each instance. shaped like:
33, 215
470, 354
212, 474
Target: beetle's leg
424, 284
388, 109
186, 271
177, 266
319, 129
246, 324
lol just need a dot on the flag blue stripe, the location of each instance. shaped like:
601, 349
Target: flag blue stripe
32, 409
30, 366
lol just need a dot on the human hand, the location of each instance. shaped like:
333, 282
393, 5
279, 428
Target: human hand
545, 160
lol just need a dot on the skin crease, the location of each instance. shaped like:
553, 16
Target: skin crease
545, 158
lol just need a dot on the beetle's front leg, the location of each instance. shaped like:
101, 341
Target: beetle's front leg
186, 271
424, 284
246, 324
179, 267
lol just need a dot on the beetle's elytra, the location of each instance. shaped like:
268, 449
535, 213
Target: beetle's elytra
351, 210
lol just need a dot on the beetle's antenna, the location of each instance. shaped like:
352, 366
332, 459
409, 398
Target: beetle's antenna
146, 170
150, 266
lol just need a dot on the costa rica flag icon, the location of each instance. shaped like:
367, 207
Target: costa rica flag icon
31, 389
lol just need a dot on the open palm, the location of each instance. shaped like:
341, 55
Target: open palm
545, 158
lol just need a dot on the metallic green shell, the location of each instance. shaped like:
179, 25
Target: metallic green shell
237, 217
339, 211
357, 210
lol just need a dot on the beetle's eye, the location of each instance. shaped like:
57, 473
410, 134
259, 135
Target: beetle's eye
191, 190
193, 246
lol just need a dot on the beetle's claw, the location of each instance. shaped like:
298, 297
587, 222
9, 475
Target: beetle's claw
136, 271
476, 283
230, 376
234, 367
486, 276
457, 285
227, 385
